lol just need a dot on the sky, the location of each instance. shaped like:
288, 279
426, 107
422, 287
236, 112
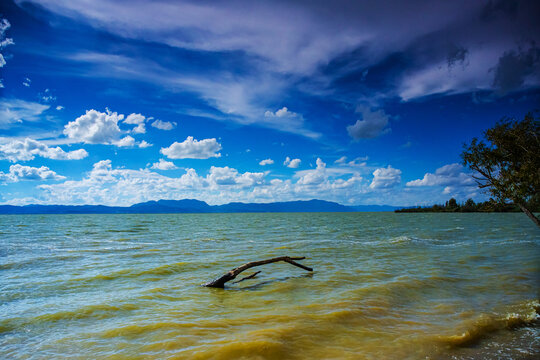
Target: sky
358, 102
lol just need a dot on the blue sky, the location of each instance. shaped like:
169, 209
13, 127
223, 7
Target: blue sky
119, 102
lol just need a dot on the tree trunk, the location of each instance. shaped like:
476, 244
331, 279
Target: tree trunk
220, 282
529, 214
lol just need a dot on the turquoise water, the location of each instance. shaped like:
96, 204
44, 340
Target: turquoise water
392, 286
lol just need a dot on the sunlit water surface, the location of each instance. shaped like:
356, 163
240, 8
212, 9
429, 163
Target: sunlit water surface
385, 286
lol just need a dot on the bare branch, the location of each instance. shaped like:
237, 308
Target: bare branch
231, 275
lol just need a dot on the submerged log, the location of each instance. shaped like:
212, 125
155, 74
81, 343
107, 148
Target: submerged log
231, 275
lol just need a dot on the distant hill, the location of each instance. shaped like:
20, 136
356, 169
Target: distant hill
192, 206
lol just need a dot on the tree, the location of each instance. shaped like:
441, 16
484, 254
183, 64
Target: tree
508, 163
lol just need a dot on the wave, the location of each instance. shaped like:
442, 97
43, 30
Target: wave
100, 311
476, 330
39, 260
147, 274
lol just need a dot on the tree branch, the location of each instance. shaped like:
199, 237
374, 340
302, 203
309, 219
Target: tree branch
220, 282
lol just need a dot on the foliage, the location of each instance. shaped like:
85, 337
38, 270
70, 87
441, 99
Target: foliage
509, 164
470, 206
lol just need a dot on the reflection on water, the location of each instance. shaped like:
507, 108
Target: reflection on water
392, 286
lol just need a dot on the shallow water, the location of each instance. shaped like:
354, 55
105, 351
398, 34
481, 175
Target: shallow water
385, 286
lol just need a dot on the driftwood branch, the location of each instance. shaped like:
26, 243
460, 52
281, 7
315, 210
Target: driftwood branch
231, 275
247, 277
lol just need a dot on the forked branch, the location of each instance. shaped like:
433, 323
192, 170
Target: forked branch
220, 282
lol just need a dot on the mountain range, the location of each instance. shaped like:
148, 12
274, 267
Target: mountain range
193, 206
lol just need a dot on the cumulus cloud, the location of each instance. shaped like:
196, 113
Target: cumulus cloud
193, 149
127, 141
105, 184
164, 125
144, 144
373, 124
118, 186
314, 177
266, 162
28, 149
95, 127
447, 175
59, 107
385, 178
219, 176
19, 172
292, 163
136, 119
164, 165
17, 111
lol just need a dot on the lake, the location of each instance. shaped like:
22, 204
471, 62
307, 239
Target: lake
384, 286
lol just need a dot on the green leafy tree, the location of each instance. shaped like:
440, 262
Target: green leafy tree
469, 206
507, 164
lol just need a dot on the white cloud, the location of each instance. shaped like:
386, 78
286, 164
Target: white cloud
59, 107
164, 125
193, 149
164, 165
19, 172
266, 162
289, 121
127, 141
47, 96
17, 111
384, 178
95, 127
27, 82
136, 119
314, 177
110, 186
4, 41
448, 175
107, 185
292, 163
373, 124
359, 161
226, 176
19, 150
341, 160
144, 144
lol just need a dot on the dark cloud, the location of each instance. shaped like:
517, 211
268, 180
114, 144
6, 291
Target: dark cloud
501, 7
514, 67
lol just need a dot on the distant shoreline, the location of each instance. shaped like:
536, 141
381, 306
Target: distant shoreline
189, 206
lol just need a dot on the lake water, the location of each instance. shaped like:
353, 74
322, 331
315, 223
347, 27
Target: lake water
384, 286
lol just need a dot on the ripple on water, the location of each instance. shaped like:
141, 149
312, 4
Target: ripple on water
385, 286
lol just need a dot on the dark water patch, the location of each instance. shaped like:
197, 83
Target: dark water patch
134, 229
40, 261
